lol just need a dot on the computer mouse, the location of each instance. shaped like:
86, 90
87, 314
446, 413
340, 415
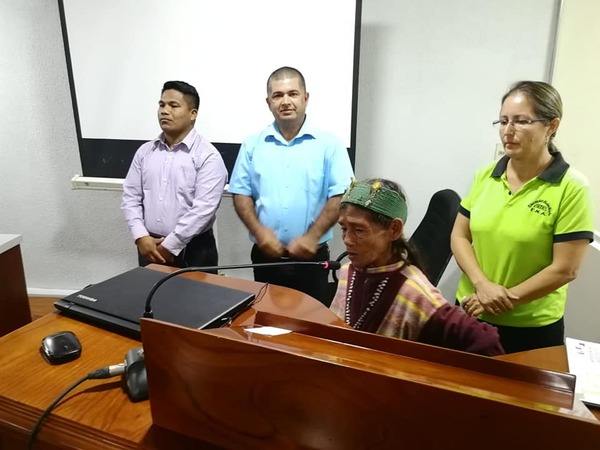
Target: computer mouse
135, 375
61, 347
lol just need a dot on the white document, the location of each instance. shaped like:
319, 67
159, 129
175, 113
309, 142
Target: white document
268, 331
584, 362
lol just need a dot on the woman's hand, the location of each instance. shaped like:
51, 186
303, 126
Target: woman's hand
472, 306
494, 298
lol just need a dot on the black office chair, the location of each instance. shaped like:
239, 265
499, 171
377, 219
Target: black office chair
431, 239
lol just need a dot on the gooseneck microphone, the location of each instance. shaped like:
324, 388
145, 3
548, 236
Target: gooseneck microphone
148, 313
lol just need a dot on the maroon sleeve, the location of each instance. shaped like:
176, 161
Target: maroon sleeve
450, 327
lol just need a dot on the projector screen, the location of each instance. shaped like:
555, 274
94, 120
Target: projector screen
120, 52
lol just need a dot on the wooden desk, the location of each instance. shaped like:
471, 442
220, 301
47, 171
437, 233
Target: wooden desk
14, 304
98, 414
551, 358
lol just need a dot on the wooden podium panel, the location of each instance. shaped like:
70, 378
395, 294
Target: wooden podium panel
312, 389
14, 303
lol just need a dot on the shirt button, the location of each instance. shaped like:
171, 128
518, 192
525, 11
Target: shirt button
164, 179
158, 220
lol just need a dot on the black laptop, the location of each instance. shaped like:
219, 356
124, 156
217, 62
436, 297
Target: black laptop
118, 303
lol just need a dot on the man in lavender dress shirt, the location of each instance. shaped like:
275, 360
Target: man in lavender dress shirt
174, 187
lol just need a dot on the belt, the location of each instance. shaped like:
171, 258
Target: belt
158, 236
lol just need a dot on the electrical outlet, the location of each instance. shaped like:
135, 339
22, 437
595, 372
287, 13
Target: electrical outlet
499, 151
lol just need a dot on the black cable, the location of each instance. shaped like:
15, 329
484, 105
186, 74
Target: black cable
257, 298
261, 293
104, 372
148, 313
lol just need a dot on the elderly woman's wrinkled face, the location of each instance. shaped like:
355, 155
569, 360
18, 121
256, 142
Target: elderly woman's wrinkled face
367, 242
522, 141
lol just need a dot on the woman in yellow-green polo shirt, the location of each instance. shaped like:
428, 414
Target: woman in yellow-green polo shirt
523, 230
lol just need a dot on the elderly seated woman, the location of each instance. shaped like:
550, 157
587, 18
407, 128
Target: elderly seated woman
382, 290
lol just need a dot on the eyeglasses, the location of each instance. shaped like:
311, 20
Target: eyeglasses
519, 124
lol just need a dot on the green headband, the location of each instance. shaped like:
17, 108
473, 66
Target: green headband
376, 198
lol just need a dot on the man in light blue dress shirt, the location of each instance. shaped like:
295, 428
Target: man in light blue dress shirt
174, 187
287, 184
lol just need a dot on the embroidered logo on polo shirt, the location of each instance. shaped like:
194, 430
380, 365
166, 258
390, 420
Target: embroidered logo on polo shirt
541, 207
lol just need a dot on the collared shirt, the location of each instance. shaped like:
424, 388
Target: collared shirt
513, 233
174, 192
290, 182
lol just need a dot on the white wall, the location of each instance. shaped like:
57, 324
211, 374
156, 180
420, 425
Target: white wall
70, 238
431, 77
583, 308
576, 75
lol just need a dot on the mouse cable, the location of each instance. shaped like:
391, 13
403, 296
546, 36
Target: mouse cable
104, 372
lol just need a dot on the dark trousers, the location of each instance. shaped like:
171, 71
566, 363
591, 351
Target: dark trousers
521, 339
312, 280
201, 251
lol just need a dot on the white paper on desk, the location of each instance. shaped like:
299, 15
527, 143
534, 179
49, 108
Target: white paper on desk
268, 331
584, 363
